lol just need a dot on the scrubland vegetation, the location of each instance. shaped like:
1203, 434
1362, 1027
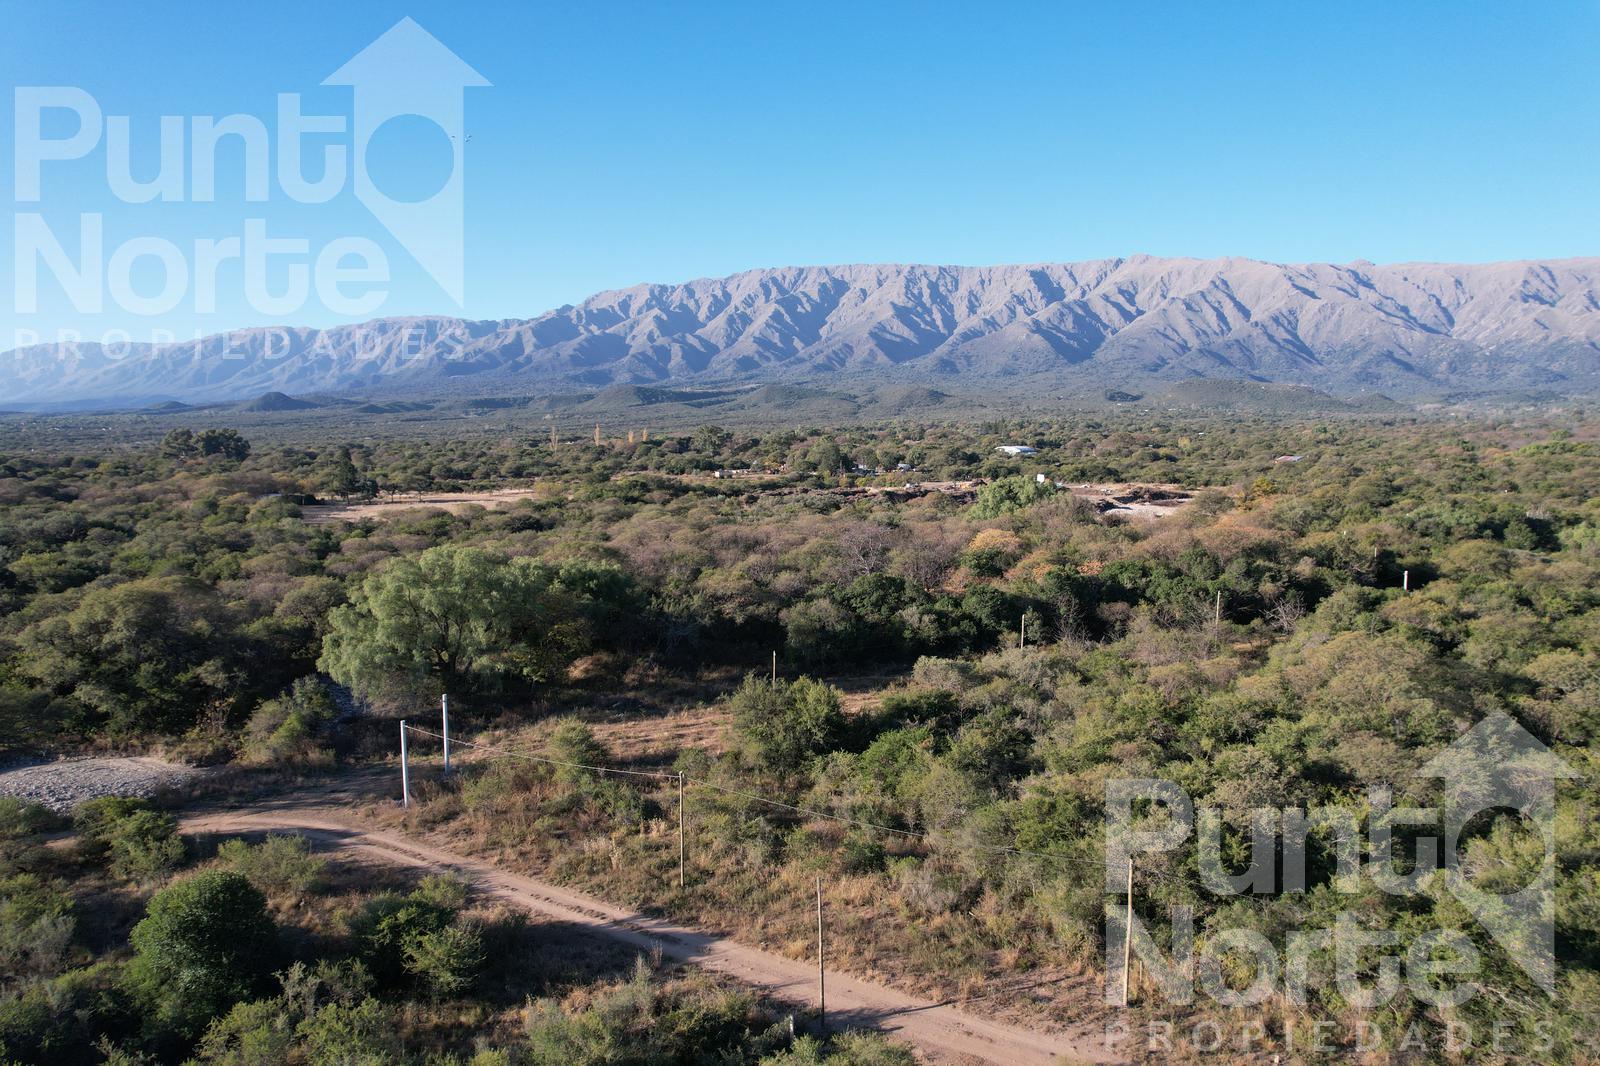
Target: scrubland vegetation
1255, 647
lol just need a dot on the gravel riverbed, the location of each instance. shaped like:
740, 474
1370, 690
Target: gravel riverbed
65, 783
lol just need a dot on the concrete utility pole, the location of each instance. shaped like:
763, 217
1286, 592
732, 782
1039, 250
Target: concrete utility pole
774, 669
444, 711
597, 434
1405, 581
681, 849
1022, 642
1216, 615
405, 770
822, 999
1127, 934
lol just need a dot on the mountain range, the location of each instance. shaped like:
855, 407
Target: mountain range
1409, 330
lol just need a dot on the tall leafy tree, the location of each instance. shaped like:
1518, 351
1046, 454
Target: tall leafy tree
454, 617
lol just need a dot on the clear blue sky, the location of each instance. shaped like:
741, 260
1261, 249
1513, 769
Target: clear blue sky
623, 143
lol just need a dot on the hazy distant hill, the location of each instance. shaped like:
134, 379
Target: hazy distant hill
1410, 330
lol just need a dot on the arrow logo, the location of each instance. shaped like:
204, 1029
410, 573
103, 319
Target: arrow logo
408, 72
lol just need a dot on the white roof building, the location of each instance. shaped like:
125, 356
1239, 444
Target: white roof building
1017, 449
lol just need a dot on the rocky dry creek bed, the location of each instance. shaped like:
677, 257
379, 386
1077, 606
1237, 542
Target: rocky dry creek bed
64, 783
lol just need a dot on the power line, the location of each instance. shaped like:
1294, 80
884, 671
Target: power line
810, 812
541, 759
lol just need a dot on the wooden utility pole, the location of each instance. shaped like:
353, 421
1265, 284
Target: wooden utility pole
1127, 934
405, 770
822, 999
680, 830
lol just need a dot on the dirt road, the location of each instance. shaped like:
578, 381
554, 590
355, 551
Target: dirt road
940, 1030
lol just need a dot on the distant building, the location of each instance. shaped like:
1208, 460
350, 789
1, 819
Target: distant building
1288, 459
1017, 449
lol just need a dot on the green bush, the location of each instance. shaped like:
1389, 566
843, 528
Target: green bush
62, 1018
36, 927
260, 1032
145, 845
280, 866
95, 819
782, 727
572, 741
205, 944
293, 727
447, 960
362, 1034
21, 827
20, 818
389, 925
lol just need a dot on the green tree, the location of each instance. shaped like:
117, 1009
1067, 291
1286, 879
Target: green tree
222, 443
458, 617
179, 444
341, 478
1010, 494
710, 440
205, 944
825, 457
143, 656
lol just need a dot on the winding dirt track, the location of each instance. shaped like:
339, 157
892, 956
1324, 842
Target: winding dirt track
939, 1030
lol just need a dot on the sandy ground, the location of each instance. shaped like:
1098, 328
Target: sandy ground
322, 514
63, 784
1134, 499
939, 1030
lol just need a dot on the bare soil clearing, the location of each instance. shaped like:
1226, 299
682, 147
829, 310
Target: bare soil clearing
1127, 499
940, 1030
64, 784
322, 514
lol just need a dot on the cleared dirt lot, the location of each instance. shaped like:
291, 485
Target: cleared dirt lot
322, 514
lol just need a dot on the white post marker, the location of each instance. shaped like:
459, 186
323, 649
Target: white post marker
1405, 581
444, 710
822, 997
1127, 934
405, 770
